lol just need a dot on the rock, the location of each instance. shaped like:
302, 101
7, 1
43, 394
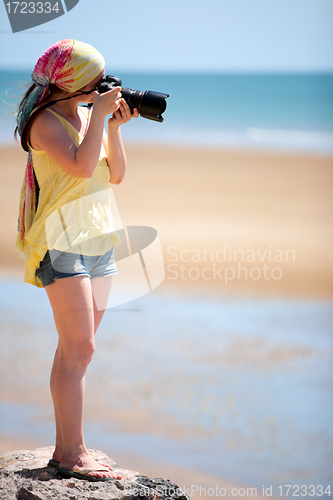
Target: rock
25, 475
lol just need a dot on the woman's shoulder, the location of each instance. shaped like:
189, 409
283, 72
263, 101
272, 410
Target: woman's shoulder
48, 125
48, 117
45, 124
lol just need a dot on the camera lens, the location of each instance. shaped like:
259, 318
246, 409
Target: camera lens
132, 97
150, 104
153, 104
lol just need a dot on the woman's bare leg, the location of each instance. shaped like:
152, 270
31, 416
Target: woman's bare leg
73, 308
58, 447
101, 288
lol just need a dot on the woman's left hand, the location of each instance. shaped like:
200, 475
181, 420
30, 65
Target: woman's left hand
122, 115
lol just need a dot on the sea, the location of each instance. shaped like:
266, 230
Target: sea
283, 112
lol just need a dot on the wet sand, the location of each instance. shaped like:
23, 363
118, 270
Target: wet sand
230, 222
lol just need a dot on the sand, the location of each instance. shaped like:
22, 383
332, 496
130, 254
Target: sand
230, 222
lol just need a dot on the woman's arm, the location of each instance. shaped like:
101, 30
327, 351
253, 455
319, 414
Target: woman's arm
115, 152
48, 134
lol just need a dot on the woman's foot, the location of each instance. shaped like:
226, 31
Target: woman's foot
57, 456
86, 461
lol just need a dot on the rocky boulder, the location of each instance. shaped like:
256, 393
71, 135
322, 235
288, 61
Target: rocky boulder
25, 475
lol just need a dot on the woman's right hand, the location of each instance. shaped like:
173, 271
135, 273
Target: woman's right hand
108, 102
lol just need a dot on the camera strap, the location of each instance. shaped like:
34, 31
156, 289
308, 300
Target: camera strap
35, 112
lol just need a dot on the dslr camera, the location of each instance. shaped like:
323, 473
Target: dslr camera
151, 105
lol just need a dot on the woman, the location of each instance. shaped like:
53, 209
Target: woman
68, 239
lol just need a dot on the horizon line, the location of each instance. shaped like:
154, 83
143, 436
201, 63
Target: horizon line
197, 71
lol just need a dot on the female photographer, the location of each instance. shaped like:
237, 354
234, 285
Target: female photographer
67, 238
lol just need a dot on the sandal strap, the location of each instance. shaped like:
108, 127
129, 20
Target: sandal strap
85, 471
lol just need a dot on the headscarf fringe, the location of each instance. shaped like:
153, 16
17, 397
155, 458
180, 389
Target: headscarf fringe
27, 209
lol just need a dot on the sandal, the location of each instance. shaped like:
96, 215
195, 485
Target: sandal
82, 474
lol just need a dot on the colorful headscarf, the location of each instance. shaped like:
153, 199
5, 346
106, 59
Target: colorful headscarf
70, 65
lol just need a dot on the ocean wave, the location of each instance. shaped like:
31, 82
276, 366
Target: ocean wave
249, 138
299, 139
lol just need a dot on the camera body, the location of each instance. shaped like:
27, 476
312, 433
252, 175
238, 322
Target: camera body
150, 104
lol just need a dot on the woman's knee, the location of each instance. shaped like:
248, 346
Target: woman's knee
78, 353
86, 351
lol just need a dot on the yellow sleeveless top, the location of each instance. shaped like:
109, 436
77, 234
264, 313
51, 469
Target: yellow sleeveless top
73, 213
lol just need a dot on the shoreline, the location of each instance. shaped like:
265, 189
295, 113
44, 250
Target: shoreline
214, 200
220, 148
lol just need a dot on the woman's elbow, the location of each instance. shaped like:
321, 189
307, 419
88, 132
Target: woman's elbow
116, 180
117, 175
88, 175
79, 170
84, 174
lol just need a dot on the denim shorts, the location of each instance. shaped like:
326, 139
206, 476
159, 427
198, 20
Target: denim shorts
57, 265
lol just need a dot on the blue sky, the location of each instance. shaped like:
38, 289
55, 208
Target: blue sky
187, 35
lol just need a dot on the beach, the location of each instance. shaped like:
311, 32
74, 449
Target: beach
232, 222
213, 364
246, 238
